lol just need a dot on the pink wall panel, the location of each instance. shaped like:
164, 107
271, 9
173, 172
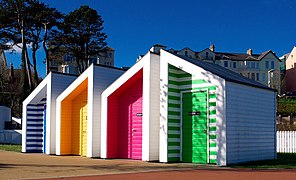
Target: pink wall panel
112, 127
121, 104
122, 140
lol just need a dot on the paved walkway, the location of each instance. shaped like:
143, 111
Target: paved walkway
202, 174
38, 166
35, 166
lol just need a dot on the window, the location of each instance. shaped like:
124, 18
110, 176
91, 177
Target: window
248, 75
253, 76
234, 64
263, 77
207, 55
225, 63
266, 64
186, 53
253, 65
272, 65
109, 55
248, 64
257, 65
257, 76
67, 70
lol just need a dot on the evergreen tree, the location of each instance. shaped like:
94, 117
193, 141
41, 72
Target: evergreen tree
83, 36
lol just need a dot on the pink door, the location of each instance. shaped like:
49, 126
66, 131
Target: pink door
135, 128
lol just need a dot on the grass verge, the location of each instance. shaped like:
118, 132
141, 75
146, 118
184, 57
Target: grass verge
284, 160
11, 147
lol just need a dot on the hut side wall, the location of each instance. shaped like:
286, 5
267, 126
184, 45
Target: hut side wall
250, 123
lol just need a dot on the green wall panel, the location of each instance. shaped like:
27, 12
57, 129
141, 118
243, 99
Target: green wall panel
180, 81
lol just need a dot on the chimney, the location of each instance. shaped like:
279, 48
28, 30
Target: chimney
249, 52
156, 48
212, 47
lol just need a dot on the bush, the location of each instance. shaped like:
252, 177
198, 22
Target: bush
286, 106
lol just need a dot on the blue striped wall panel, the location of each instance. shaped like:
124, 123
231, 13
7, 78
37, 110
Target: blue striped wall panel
35, 125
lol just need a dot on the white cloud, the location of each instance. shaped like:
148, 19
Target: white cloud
16, 48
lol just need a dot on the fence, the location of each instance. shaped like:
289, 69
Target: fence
286, 141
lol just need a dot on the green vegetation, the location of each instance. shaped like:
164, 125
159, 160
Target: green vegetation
284, 160
286, 106
11, 147
286, 127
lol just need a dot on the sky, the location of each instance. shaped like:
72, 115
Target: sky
133, 26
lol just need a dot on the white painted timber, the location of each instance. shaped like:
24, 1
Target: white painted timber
250, 123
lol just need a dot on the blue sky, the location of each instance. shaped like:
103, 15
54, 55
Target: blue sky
133, 26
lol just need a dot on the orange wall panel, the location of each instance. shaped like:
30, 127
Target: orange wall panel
66, 111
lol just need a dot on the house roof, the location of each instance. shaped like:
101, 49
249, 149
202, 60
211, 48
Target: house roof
187, 48
108, 48
224, 73
233, 56
243, 57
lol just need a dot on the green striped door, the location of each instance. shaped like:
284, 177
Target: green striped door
194, 127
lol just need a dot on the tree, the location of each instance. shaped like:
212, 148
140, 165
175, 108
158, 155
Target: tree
42, 18
12, 30
22, 22
83, 36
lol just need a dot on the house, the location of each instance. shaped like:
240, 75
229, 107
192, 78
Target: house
263, 68
5, 116
66, 63
213, 115
290, 77
130, 112
39, 113
78, 127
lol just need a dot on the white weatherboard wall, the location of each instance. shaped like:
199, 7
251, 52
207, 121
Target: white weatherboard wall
49, 88
168, 58
150, 139
250, 123
150, 148
102, 78
99, 78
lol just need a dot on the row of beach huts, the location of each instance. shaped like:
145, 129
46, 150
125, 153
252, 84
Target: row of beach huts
166, 108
